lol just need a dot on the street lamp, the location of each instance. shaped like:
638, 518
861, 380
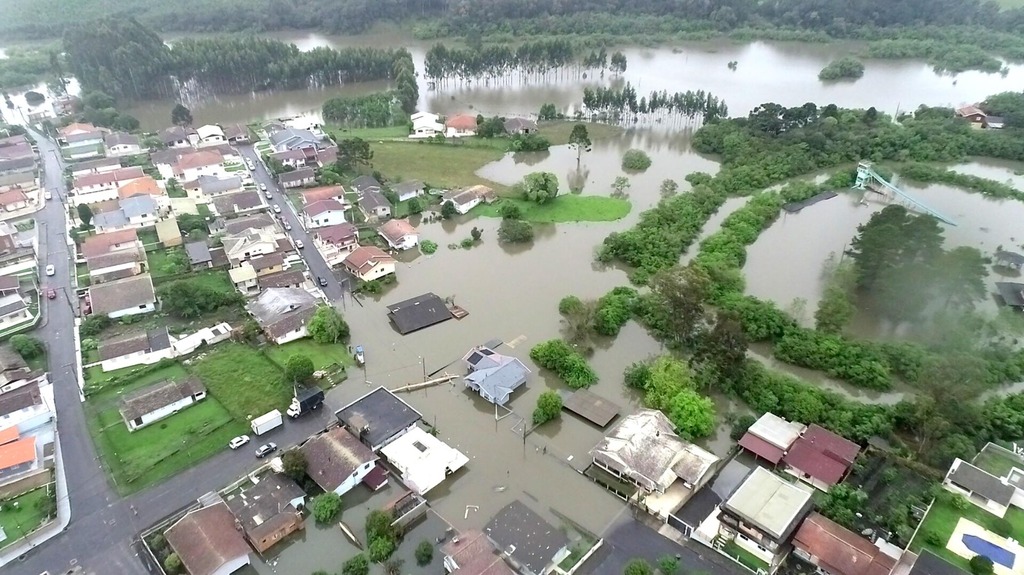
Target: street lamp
423, 363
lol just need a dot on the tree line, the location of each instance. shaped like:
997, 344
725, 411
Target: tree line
127, 60
530, 60
390, 108
605, 101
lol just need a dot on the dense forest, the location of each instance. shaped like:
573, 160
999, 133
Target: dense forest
127, 60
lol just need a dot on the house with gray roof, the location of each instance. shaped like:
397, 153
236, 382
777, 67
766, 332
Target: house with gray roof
133, 212
129, 296
238, 203
150, 404
520, 126
293, 139
979, 487
212, 186
492, 375
374, 205
531, 544
409, 190
364, 184
17, 165
283, 313
199, 255
297, 178
135, 348
178, 137
257, 222
121, 144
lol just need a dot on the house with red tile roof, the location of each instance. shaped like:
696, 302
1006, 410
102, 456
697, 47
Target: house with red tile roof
835, 550
820, 457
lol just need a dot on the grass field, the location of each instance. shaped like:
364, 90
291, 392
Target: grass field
322, 355
557, 132
369, 133
144, 457
166, 262
243, 379
567, 208
98, 381
943, 517
23, 518
438, 165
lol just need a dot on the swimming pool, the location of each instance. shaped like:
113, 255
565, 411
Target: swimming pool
997, 554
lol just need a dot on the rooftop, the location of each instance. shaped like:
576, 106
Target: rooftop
373, 199
254, 221
110, 259
297, 175
365, 257
337, 233
378, 416
206, 539
822, 454
134, 342
526, 536
770, 437
259, 508
591, 407
395, 230
122, 294
840, 551
423, 459
282, 310
471, 553
929, 563
151, 398
770, 503
322, 193
418, 312
494, 375
198, 252
199, 159
364, 183
282, 279
461, 122
333, 456
320, 206
144, 186
18, 452
975, 480
20, 398
212, 185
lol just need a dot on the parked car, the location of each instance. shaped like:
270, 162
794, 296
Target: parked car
298, 244
51, 293
277, 209
322, 281
50, 270
47, 195
238, 441
263, 187
266, 450
287, 227
269, 195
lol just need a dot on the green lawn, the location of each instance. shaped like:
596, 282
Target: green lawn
148, 236
557, 132
369, 133
996, 460
323, 355
97, 380
216, 279
243, 379
20, 516
942, 520
566, 208
743, 556
203, 210
438, 165
144, 457
167, 262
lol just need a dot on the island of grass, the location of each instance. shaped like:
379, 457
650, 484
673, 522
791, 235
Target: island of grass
562, 209
842, 69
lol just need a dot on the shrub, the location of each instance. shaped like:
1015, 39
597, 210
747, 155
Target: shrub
1001, 526
448, 210
565, 361
93, 325
740, 426
959, 502
295, 464
569, 304
424, 553
172, 563
381, 548
637, 375
614, 310
515, 231
299, 368
635, 160
27, 347
843, 68
158, 542
466, 243
934, 539
191, 298
428, 247
357, 565
326, 507
981, 565
638, 567
549, 406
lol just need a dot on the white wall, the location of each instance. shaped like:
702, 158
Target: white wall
94, 195
324, 219
148, 308
232, 566
354, 479
378, 271
291, 336
163, 412
139, 358
18, 268
27, 419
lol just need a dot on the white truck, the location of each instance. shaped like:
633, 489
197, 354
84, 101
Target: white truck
266, 422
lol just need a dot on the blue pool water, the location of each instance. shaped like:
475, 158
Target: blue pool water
994, 552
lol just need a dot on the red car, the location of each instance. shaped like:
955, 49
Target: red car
51, 293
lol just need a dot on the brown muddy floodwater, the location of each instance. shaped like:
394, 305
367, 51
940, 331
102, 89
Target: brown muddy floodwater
782, 72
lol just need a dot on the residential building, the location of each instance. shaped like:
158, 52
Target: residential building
192, 165
336, 242
928, 563
297, 178
24, 408
426, 125
422, 460
460, 126
210, 135
18, 181
268, 511
294, 139
13, 200
979, 487
245, 279
205, 336
213, 186
835, 550
198, 255
463, 200
235, 226
236, 133
248, 244
238, 203
762, 514
283, 313
288, 279
17, 165
121, 144
168, 232
78, 132
494, 376
820, 457
12, 368
994, 122
94, 166
178, 137
267, 264
134, 212
144, 186
418, 313
16, 257
364, 184
150, 404
369, 263
972, 114
374, 205
9, 285
99, 244
114, 266
337, 461
300, 158
313, 195
135, 348
532, 545
14, 311
1007, 465
472, 553
409, 189
520, 126
15, 147
378, 418
207, 541
102, 186
129, 296
770, 437
323, 213
18, 455
399, 234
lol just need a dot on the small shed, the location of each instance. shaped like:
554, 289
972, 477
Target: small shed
1012, 293
592, 407
1007, 259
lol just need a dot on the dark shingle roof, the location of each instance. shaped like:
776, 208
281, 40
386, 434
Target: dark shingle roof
929, 563
151, 398
419, 312
333, 456
530, 539
206, 539
380, 414
982, 483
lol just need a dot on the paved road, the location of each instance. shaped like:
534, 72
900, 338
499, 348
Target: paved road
103, 525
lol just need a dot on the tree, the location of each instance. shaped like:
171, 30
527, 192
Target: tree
326, 507
515, 231
668, 565
448, 210
191, 298
415, 207
172, 563
635, 160
27, 347
294, 462
476, 233
378, 525
424, 553
393, 566
723, 349
580, 139
547, 112
490, 127
620, 185
549, 406
682, 292
692, 414
618, 63
981, 565
353, 152
357, 565
638, 567
298, 368
578, 321
961, 276
510, 211
327, 326
668, 188
842, 504
181, 116
84, 214
539, 187
380, 549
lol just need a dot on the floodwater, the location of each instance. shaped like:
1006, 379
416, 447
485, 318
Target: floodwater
686, 66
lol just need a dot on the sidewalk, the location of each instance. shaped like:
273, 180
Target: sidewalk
54, 528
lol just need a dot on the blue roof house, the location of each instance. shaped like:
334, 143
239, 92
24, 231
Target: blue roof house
492, 375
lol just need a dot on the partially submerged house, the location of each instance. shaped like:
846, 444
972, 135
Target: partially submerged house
418, 313
337, 461
422, 460
493, 375
378, 418
207, 541
399, 234
472, 553
283, 313
268, 511
370, 263
150, 404
532, 545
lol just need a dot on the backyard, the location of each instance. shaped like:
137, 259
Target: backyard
167, 262
20, 515
997, 460
894, 489
941, 521
564, 208
246, 381
322, 354
438, 165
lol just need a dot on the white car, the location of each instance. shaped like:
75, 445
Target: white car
298, 244
287, 227
269, 195
50, 270
47, 196
263, 187
238, 441
277, 209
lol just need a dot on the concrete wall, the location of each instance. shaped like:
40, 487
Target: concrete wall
149, 308
139, 358
354, 479
167, 410
40, 478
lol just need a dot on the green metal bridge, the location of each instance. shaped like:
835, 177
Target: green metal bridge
872, 183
